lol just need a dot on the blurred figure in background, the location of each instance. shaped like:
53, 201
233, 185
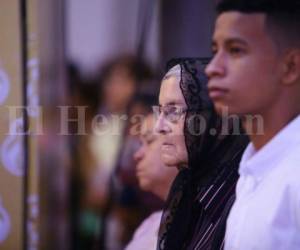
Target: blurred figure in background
83, 94
153, 176
111, 188
129, 205
120, 81
107, 202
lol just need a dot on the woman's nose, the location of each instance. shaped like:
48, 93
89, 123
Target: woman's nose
139, 154
161, 125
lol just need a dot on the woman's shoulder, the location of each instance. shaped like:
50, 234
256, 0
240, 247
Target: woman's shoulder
145, 236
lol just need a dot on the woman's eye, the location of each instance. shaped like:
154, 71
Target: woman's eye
169, 111
173, 110
150, 141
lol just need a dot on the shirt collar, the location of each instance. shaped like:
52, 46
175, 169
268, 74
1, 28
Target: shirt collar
259, 163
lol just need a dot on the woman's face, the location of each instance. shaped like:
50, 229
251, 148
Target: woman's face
152, 174
170, 123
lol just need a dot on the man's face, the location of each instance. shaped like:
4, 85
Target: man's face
150, 170
244, 74
173, 150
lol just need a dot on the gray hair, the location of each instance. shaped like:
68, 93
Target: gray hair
175, 71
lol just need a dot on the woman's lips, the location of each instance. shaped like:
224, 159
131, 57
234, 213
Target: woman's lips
139, 173
139, 170
166, 146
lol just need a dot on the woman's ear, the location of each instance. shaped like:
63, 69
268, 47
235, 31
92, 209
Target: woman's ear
291, 72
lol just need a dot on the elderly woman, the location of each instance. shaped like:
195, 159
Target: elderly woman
153, 176
202, 146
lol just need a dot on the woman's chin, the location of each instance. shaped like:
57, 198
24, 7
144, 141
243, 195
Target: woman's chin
169, 160
144, 185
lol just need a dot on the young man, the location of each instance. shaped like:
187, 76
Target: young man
255, 72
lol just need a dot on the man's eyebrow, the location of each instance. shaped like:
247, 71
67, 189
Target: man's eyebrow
229, 41
235, 40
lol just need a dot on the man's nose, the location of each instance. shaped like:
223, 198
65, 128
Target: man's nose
216, 66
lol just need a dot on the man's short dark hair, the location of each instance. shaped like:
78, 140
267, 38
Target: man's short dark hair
282, 17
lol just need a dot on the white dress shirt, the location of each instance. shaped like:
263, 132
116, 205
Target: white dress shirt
266, 213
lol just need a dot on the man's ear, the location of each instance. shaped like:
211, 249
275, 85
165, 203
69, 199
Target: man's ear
291, 71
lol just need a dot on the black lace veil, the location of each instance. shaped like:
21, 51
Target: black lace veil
192, 207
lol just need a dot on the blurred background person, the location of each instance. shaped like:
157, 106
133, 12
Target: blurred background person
85, 222
119, 81
153, 176
110, 205
128, 204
